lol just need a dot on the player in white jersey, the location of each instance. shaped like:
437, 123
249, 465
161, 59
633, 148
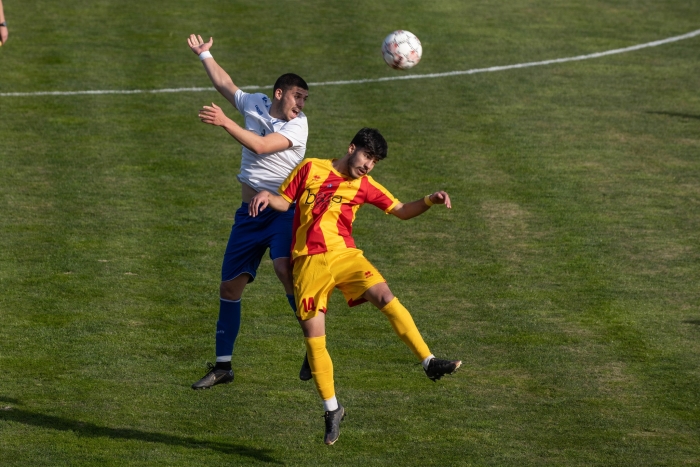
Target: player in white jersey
274, 142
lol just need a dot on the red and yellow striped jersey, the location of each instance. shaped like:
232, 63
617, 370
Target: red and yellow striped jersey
326, 205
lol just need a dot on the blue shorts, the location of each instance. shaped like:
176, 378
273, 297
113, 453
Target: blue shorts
251, 236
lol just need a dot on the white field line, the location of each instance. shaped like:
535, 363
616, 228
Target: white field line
376, 80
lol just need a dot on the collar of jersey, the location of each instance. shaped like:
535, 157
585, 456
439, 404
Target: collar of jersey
347, 179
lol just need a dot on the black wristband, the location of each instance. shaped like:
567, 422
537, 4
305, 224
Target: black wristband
4, 23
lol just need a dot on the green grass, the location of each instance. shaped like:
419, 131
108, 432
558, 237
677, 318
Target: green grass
567, 276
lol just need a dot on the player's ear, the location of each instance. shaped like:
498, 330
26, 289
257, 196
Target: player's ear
278, 94
351, 148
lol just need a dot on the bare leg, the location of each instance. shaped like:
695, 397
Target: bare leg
379, 295
233, 289
283, 269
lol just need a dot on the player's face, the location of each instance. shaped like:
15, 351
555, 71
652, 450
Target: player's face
293, 101
359, 163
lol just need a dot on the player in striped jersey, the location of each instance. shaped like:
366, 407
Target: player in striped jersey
328, 194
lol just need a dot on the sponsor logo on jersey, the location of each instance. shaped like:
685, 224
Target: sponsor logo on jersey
319, 199
260, 112
368, 274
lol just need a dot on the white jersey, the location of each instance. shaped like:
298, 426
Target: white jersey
268, 171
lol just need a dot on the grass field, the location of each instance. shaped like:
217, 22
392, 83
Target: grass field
567, 276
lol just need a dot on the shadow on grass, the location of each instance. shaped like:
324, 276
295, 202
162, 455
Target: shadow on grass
692, 321
10, 400
675, 114
13, 414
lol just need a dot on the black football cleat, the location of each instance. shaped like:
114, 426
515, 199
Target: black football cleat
333, 419
305, 371
438, 368
213, 377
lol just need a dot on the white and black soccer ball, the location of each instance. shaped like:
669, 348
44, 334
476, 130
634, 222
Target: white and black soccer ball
402, 50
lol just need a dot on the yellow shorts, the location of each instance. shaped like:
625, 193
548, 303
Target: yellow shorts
315, 277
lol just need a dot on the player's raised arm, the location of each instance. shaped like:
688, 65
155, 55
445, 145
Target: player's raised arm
265, 199
219, 78
415, 208
272, 142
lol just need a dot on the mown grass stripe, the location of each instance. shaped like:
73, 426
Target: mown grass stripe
375, 80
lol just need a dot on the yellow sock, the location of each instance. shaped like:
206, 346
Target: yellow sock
321, 366
405, 328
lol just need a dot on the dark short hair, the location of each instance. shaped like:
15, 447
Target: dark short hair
288, 81
372, 142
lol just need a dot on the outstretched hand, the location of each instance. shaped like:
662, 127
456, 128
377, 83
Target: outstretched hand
198, 45
441, 197
213, 115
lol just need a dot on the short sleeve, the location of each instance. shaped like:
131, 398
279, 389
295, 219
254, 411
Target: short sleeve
296, 131
241, 99
293, 186
380, 196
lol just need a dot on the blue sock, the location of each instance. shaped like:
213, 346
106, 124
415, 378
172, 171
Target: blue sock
227, 328
292, 302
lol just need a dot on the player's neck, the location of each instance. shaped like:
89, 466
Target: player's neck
276, 110
341, 165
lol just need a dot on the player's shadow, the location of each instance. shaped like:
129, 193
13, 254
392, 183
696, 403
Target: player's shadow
692, 321
14, 414
675, 114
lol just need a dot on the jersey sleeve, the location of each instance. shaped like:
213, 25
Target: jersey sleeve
296, 131
380, 196
293, 186
241, 99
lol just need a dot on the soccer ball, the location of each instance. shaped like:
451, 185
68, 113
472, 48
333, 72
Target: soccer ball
402, 50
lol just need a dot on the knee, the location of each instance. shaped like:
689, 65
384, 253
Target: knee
283, 269
224, 291
231, 290
383, 298
379, 295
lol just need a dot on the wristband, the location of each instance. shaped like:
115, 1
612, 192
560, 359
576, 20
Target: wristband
427, 200
4, 23
204, 55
